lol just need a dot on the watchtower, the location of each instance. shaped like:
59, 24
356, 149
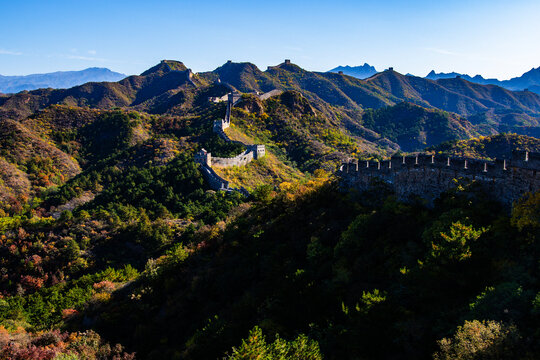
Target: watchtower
204, 158
259, 151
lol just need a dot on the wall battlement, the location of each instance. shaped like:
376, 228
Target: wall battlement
239, 160
237, 96
428, 176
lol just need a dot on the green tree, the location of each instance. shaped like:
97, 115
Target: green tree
454, 245
526, 212
256, 347
477, 340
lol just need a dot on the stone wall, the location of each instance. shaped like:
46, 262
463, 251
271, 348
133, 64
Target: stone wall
219, 126
259, 151
252, 152
203, 157
233, 98
215, 181
237, 98
218, 99
189, 75
240, 160
428, 176
271, 93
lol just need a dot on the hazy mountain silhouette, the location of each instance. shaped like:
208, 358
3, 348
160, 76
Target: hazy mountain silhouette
57, 80
529, 80
360, 72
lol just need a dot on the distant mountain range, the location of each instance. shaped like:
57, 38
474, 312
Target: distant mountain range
530, 80
360, 72
57, 80
479, 79
171, 89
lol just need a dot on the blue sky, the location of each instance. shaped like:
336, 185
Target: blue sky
493, 38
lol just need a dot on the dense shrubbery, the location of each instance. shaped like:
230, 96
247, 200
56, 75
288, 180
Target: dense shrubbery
221, 148
364, 277
108, 134
480, 340
176, 188
56, 345
488, 147
56, 271
360, 276
51, 305
256, 347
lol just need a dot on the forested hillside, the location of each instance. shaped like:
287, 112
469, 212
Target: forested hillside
488, 147
113, 245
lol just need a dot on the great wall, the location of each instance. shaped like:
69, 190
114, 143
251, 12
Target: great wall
422, 175
428, 176
252, 152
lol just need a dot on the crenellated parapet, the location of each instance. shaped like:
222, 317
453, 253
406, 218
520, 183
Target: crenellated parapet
240, 160
428, 176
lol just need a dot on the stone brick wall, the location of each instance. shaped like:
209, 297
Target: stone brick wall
259, 151
243, 159
215, 181
269, 94
428, 176
203, 157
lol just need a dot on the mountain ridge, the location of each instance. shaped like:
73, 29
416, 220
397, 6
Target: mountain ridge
529, 80
170, 88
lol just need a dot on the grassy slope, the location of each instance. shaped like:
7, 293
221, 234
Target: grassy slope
54, 145
266, 171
